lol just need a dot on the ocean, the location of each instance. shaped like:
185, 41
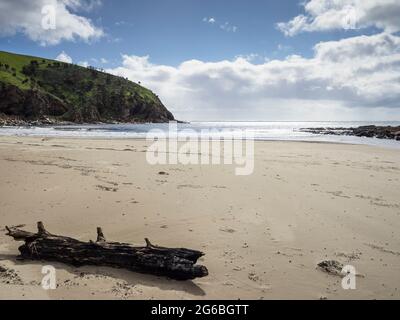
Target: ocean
262, 130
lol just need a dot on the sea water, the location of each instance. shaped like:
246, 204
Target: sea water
263, 130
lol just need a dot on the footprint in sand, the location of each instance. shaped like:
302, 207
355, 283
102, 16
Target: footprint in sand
338, 194
105, 188
382, 249
228, 230
191, 186
237, 269
349, 256
253, 277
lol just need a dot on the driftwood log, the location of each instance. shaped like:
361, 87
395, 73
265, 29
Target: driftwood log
177, 264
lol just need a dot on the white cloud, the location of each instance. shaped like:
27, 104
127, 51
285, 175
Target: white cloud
228, 27
123, 23
209, 20
103, 60
225, 26
83, 64
323, 15
86, 5
63, 57
26, 16
251, 57
282, 47
353, 78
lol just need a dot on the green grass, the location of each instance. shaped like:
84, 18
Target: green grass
16, 61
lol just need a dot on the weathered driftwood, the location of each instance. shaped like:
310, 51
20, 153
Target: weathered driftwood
174, 263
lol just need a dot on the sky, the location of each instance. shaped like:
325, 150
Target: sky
246, 60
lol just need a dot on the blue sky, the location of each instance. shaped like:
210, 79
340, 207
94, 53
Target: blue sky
229, 59
172, 31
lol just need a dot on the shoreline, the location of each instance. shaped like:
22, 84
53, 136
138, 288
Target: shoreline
88, 138
106, 131
261, 140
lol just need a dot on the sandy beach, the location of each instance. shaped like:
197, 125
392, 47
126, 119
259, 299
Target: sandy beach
263, 234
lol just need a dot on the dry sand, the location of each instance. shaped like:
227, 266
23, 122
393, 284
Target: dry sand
263, 234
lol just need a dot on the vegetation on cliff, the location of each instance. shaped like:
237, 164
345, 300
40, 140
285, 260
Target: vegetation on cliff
33, 88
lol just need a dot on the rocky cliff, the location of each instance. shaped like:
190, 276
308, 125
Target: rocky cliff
37, 90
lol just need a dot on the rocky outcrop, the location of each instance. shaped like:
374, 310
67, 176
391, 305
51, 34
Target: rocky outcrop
29, 104
332, 267
380, 132
34, 107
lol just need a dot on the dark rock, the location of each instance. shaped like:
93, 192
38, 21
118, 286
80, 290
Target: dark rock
9, 276
379, 132
332, 267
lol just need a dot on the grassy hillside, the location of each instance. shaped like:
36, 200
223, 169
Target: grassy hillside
32, 87
17, 62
